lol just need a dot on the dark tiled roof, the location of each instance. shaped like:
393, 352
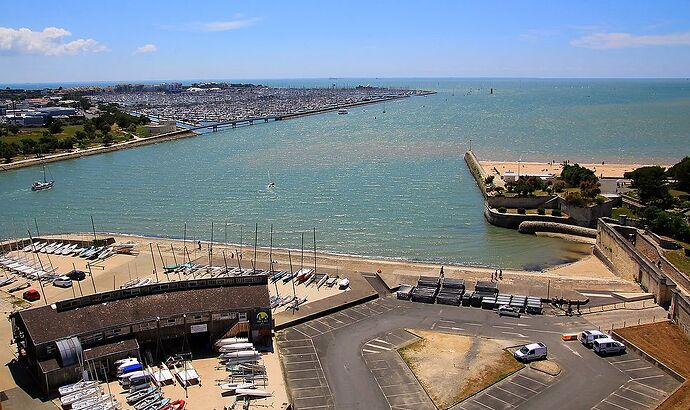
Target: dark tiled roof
45, 324
111, 348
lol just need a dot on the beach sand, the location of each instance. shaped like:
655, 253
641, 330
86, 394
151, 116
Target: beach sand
602, 170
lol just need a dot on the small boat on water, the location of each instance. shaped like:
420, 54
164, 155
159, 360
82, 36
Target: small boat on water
342, 111
45, 184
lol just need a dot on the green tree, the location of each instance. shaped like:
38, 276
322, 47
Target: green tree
651, 185
80, 135
681, 172
13, 129
8, 151
89, 129
28, 146
575, 174
54, 126
590, 188
106, 138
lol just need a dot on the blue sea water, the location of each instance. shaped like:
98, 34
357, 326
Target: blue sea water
388, 184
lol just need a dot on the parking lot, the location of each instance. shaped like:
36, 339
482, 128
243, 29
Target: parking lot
510, 392
396, 381
647, 387
349, 359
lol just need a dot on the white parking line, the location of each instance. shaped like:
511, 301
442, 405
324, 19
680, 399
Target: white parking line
630, 400
382, 341
653, 388
531, 379
647, 377
624, 361
482, 404
309, 397
496, 398
614, 404
510, 392
523, 387
450, 328
378, 347
318, 332
370, 351
637, 368
640, 393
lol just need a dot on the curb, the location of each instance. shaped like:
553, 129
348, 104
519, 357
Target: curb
326, 312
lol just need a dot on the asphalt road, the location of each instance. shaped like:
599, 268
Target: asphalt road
339, 339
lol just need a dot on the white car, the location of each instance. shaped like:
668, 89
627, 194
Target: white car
607, 345
588, 337
531, 352
63, 282
506, 310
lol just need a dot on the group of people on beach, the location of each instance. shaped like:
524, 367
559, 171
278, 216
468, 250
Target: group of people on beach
497, 275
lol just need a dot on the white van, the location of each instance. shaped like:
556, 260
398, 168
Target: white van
589, 336
607, 345
530, 352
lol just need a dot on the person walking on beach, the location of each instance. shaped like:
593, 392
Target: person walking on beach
500, 274
198, 244
441, 272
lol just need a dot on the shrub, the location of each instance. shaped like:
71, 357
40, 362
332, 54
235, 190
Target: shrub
521, 211
489, 180
687, 252
575, 199
558, 186
541, 211
499, 190
502, 209
556, 212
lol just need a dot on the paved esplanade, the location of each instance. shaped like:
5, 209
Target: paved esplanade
329, 362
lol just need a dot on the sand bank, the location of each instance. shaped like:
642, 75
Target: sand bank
602, 169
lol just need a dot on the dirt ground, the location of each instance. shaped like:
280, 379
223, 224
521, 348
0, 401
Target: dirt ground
667, 343
453, 367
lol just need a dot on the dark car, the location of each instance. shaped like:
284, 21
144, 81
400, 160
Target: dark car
76, 275
31, 295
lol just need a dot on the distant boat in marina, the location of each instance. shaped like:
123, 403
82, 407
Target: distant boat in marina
40, 186
342, 111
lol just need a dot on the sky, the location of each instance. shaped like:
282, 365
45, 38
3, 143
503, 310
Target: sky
80, 41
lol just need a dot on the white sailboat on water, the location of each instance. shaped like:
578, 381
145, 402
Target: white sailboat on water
40, 186
271, 184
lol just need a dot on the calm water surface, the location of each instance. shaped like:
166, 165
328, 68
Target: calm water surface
376, 184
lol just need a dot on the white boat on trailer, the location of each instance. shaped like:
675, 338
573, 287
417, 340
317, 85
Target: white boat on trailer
75, 387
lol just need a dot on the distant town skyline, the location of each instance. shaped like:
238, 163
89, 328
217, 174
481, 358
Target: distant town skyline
78, 41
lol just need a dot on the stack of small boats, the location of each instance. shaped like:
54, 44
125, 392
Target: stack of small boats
244, 366
86, 395
26, 268
142, 395
68, 248
152, 398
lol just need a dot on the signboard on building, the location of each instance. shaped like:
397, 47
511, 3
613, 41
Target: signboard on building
199, 328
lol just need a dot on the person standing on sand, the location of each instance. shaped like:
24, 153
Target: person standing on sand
500, 274
198, 244
441, 272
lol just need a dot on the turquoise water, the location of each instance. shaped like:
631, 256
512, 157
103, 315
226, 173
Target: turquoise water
394, 186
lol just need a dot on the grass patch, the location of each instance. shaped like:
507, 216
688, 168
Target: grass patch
679, 260
678, 193
35, 133
505, 366
623, 211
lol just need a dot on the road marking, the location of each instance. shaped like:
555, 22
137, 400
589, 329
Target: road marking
536, 381
637, 368
378, 347
515, 334
614, 404
523, 387
553, 332
640, 393
502, 327
382, 341
510, 392
522, 324
446, 321
450, 327
370, 351
473, 324
574, 352
624, 361
629, 399
482, 404
501, 400
597, 295
653, 388
647, 377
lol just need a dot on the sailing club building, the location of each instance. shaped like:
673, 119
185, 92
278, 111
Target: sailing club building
60, 341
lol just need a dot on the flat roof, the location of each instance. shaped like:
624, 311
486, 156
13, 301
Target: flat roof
45, 324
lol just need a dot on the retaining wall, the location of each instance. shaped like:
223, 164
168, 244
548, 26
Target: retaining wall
543, 226
513, 221
477, 171
547, 202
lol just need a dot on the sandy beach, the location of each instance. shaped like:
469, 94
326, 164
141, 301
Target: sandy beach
602, 169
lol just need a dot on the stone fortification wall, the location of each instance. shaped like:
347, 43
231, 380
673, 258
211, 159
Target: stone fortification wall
543, 226
476, 170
